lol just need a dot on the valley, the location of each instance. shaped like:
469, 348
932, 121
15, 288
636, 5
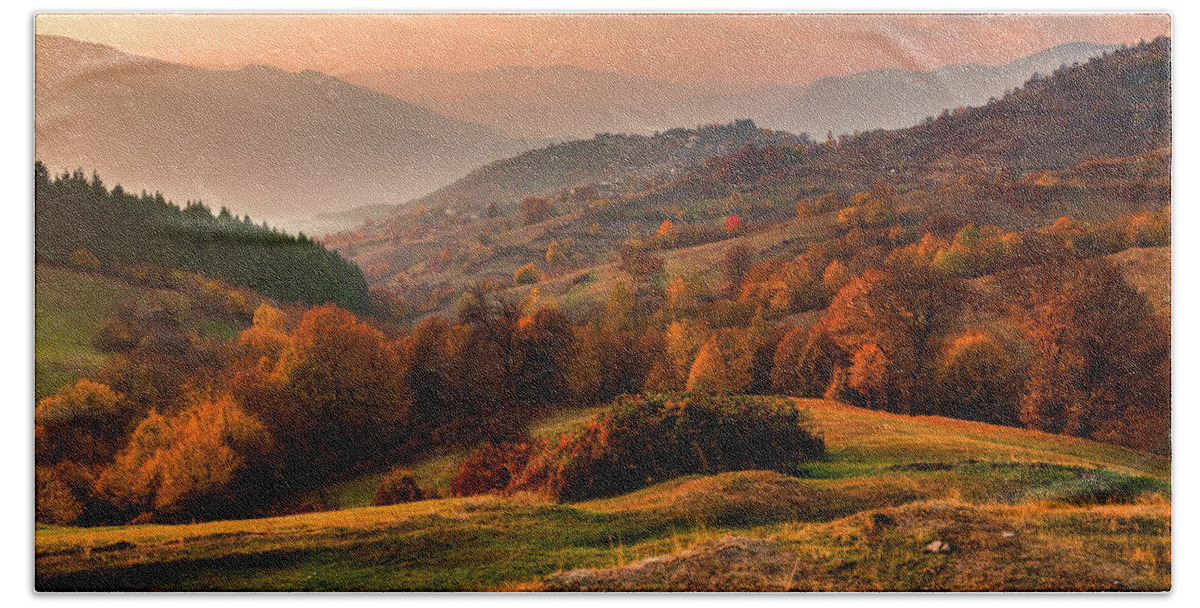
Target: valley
579, 330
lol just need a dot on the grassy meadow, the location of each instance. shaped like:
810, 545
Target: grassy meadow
1020, 510
69, 308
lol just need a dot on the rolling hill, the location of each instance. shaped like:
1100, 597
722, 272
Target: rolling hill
69, 307
1095, 123
1014, 506
257, 140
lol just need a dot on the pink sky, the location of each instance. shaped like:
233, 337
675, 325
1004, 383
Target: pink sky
763, 48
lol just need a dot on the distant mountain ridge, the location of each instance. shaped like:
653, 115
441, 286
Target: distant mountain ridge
569, 101
259, 139
893, 98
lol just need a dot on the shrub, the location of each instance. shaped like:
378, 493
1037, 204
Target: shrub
490, 468
647, 439
397, 487
1099, 486
85, 422
85, 260
527, 275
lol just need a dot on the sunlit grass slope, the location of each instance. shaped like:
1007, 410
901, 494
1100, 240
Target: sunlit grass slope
1019, 510
69, 307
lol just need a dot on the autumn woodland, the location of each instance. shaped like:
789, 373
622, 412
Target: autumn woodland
934, 356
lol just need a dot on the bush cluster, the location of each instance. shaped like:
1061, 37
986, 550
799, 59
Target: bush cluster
397, 487
647, 439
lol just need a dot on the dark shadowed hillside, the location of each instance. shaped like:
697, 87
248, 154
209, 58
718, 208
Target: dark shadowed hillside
1117, 105
79, 222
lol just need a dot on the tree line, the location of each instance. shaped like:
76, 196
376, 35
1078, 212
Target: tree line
82, 217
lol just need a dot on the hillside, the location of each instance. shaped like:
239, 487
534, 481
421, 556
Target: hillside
970, 163
1117, 105
1012, 504
80, 222
69, 307
614, 164
1148, 269
895, 98
317, 143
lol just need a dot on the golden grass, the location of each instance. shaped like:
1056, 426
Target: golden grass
1148, 270
859, 435
50, 539
992, 548
859, 522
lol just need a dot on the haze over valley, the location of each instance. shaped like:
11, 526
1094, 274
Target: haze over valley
301, 149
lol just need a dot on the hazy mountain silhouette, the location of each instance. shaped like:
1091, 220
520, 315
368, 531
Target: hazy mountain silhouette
893, 98
259, 140
568, 101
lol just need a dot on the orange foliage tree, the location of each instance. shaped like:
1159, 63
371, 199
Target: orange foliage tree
337, 393
1102, 356
906, 309
203, 462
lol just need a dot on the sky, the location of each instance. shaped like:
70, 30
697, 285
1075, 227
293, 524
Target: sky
776, 49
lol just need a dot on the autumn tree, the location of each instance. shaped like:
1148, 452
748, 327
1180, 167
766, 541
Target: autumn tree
267, 335
868, 375
204, 462
555, 253
491, 355
644, 267
433, 375
723, 364
905, 309
583, 364
536, 209
1100, 355
348, 387
682, 341
684, 293
736, 262
981, 377
818, 365
527, 275
545, 343
84, 422
787, 353
397, 487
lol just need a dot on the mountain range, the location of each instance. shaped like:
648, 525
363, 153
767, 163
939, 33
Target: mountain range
258, 140
568, 101
287, 146
893, 98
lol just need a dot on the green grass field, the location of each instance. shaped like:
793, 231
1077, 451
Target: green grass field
1021, 510
69, 307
